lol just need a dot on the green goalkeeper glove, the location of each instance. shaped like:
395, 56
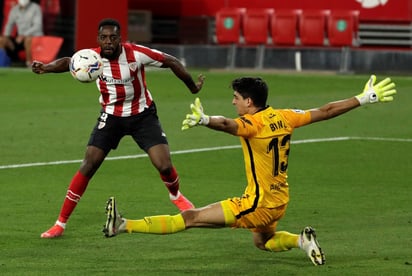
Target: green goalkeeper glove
381, 92
197, 117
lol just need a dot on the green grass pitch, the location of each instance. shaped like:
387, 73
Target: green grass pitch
350, 178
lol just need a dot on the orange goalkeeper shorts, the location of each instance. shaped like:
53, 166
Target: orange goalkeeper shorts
258, 219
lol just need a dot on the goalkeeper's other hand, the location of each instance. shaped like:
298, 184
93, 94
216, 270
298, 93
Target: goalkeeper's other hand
383, 91
197, 117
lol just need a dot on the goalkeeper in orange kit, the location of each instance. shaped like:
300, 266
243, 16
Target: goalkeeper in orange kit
265, 136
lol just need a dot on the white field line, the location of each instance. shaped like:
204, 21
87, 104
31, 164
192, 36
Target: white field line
319, 140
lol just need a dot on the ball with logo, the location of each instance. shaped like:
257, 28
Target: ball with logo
86, 65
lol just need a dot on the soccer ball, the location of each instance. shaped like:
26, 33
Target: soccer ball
86, 65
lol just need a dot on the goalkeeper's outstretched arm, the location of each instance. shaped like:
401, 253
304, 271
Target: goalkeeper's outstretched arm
198, 117
372, 93
223, 124
333, 109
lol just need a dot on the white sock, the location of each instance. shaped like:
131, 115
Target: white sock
172, 197
61, 224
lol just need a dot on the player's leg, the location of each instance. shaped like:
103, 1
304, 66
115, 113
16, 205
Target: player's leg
27, 50
283, 241
92, 161
94, 157
148, 133
160, 158
212, 216
277, 242
104, 137
169, 224
267, 238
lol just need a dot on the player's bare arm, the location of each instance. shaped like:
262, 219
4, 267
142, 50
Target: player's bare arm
333, 109
382, 91
223, 124
57, 66
180, 71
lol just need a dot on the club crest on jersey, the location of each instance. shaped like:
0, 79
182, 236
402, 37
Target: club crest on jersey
300, 111
133, 66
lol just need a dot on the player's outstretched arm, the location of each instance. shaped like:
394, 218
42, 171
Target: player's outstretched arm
57, 66
198, 117
180, 71
383, 91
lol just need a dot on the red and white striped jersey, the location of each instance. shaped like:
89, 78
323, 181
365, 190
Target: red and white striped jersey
122, 86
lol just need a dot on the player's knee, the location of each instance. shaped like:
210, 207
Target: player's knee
260, 239
189, 216
260, 245
165, 169
90, 165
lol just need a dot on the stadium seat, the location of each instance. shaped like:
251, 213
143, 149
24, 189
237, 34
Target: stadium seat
228, 25
312, 27
46, 48
256, 26
284, 27
343, 27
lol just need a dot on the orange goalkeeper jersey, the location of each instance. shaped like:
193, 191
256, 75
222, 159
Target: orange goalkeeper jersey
265, 137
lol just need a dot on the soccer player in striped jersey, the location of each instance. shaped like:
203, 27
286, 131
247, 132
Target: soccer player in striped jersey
128, 108
265, 136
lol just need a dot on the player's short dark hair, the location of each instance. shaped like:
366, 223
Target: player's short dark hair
109, 22
254, 88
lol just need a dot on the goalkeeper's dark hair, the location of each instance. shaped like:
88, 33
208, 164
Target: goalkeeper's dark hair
109, 22
254, 88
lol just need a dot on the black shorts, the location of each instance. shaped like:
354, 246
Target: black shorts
145, 129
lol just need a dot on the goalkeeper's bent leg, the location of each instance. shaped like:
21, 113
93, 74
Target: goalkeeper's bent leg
164, 224
282, 241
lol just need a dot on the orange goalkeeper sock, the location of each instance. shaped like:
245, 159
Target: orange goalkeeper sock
157, 224
282, 241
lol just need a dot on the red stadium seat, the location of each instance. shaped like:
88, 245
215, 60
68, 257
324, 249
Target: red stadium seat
284, 27
343, 27
45, 48
228, 25
256, 26
312, 27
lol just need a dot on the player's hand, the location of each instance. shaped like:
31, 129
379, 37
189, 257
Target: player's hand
197, 117
383, 91
199, 83
37, 67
